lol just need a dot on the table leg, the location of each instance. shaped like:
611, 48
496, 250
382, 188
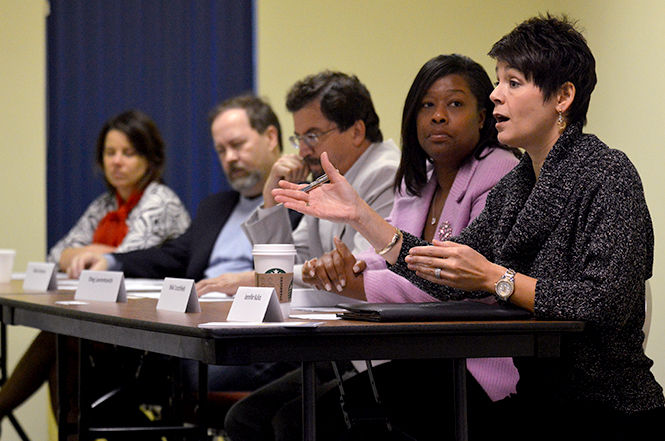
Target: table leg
63, 400
308, 401
84, 400
459, 386
203, 410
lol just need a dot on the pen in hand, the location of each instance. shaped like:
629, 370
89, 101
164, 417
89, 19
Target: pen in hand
317, 182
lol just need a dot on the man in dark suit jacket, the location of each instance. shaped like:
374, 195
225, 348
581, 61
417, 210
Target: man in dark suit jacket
188, 255
247, 139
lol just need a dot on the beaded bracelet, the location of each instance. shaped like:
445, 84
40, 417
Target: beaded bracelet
396, 238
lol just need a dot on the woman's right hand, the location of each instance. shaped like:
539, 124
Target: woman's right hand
335, 201
336, 271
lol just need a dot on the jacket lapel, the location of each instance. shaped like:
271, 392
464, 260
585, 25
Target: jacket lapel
533, 208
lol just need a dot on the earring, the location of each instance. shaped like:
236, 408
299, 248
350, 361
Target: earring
561, 122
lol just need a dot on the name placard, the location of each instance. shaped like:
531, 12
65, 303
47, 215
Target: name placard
101, 286
255, 304
178, 295
40, 276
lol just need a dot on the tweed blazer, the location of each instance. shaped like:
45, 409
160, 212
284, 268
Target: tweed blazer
584, 231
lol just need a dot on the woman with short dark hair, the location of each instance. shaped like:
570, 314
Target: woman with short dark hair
566, 234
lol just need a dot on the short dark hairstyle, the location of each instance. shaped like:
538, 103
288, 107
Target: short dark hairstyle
344, 100
413, 165
549, 51
260, 114
142, 133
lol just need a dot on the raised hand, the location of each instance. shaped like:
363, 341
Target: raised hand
335, 201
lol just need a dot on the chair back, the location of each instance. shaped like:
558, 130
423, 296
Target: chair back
647, 313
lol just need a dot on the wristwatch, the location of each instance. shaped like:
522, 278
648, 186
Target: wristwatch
505, 287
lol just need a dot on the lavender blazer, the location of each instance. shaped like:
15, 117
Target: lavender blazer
465, 201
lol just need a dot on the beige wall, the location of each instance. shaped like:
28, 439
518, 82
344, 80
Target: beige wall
385, 42
23, 167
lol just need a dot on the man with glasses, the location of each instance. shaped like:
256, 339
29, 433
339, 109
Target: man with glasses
332, 112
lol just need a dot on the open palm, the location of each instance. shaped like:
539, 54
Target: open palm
335, 201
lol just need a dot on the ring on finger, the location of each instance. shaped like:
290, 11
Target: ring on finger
437, 273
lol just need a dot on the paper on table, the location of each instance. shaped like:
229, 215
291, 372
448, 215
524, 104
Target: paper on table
315, 316
143, 285
131, 285
67, 284
320, 309
218, 325
215, 297
314, 297
144, 295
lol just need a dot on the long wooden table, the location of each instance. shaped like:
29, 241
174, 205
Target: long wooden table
137, 324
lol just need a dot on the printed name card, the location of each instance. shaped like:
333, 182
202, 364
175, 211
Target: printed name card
101, 286
40, 277
178, 295
255, 304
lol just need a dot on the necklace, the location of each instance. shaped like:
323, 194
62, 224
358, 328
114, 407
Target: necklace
436, 205
445, 231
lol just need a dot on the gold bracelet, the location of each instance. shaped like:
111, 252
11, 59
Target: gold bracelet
387, 248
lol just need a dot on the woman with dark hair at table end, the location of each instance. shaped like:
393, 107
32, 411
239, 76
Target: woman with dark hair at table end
566, 234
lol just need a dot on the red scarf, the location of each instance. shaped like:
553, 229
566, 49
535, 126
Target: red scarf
112, 229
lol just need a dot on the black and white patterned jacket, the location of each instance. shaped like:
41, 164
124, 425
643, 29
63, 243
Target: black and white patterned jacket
159, 216
584, 231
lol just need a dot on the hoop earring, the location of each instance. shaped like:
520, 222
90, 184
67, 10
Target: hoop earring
561, 122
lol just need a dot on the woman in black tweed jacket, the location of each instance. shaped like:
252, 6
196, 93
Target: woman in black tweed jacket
566, 235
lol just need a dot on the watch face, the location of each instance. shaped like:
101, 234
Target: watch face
504, 288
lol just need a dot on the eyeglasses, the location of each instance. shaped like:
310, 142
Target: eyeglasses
311, 139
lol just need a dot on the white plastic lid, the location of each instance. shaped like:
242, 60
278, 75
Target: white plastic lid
272, 249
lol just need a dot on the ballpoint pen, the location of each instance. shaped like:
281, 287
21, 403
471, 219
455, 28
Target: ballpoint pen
318, 181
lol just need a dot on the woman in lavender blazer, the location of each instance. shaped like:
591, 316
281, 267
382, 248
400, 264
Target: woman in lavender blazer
450, 161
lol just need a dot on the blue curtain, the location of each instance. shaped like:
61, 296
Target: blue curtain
172, 59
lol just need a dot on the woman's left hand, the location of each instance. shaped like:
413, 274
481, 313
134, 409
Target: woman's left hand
70, 254
459, 266
336, 270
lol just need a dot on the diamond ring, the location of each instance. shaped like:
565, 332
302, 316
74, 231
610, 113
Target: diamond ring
437, 273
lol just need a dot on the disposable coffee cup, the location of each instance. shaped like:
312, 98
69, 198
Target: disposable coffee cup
7, 264
273, 264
